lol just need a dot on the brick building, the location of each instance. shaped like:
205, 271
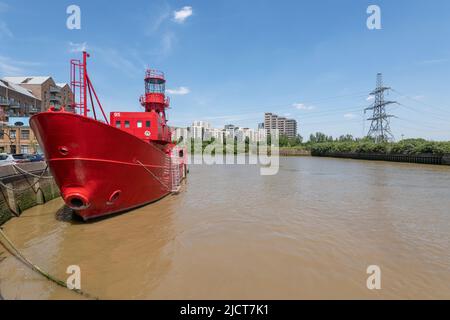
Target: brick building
16, 136
16, 101
44, 89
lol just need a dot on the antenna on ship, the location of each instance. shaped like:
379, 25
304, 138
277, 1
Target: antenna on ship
380, 128
82, 86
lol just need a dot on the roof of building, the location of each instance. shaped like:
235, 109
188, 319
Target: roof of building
12, 86
28, 79
62, 84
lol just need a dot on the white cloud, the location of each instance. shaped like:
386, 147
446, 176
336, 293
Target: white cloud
349, 116
301, 106
5, 31
434, 61
370, 98
123, 61
11, 67
181, 15
155, 17
78, 47
118, 60
181, 91
167, 43
158, 21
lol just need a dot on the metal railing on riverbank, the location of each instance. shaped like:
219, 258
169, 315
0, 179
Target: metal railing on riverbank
443, 159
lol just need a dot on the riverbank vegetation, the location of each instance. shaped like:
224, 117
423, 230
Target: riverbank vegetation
320, 144
347, 144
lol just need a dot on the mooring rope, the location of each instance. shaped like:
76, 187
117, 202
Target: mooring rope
166, 186
37, 269
41, 176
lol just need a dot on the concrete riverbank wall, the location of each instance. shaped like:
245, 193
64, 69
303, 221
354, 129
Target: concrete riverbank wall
20, 191
414, 158
293, 152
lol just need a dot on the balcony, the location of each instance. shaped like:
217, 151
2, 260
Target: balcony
13, 114
54, 98
4, 102
55, 90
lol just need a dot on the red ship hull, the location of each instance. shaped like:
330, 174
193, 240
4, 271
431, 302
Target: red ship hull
100, 169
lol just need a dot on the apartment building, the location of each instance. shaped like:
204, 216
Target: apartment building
45, 89
290, 128
16, 136
200, 130
16, 101
66, 95
178, 133
217, 134
287, 127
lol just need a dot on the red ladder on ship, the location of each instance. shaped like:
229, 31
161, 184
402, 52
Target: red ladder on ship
81, 85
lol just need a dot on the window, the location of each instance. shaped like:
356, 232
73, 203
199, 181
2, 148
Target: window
25, 134
12, 134
24, 149
147, 124
117, 124
127, 124
139, 124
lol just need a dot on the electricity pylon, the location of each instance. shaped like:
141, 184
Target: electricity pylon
380, 128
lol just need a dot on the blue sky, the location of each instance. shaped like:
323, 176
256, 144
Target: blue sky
229, 61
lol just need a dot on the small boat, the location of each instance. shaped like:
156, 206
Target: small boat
112, 165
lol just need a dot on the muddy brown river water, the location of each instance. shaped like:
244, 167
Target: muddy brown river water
309, 232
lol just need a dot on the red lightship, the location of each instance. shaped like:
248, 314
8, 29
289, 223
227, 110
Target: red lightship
106, 167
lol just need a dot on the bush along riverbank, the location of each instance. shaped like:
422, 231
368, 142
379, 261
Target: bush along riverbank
409, 150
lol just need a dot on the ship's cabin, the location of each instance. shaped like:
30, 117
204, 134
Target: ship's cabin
148, 126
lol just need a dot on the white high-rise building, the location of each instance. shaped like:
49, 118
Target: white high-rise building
287, 127
204, 130
178, 132
201, 130
217, 134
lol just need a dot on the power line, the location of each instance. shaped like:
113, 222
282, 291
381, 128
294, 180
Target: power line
421, 102
437, 117
279, 108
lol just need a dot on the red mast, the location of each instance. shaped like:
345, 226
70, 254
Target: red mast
85, 109
81, 85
